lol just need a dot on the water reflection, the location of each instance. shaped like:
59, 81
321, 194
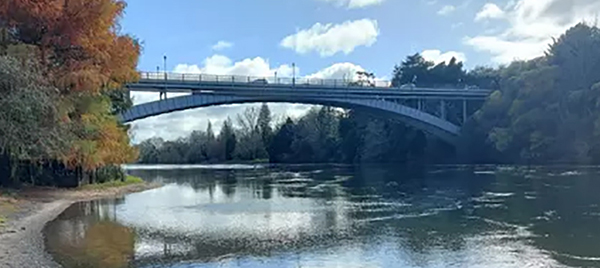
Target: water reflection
88, 235
336, 216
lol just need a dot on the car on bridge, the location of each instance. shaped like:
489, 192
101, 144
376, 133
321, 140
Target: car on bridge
260, 81
408, 86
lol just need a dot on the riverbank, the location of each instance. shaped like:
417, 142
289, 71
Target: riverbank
25, 213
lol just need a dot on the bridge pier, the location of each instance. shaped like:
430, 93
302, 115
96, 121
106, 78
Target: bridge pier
464, 111
443, 109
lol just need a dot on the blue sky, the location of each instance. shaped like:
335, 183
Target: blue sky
330, 38
187, 30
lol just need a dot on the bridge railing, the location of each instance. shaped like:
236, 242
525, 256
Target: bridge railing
231, 79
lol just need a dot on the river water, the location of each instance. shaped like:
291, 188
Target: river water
338, 216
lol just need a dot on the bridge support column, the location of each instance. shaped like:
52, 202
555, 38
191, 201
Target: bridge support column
443, 109
464, 111
419, 104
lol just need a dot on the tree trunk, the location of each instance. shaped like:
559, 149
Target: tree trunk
78, 175
31, 177
92, 176
13, 171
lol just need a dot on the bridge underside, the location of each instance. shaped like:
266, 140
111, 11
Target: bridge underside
436, 126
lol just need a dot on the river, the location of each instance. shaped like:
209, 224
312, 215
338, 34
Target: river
339, 216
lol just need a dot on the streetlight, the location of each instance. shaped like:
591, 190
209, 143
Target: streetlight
158, 76
165, 65
165, 70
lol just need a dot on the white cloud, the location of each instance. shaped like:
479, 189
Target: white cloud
222, 65
352, 4
343, 70
489, 11
446, 10
346, 71
222, 45
178, 124
437, 56
531, 26
329, 39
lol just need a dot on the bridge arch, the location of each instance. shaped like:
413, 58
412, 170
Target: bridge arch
436, 126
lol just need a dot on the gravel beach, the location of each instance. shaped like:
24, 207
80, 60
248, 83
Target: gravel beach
21, 239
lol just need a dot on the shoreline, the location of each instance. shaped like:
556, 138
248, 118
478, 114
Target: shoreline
21, 239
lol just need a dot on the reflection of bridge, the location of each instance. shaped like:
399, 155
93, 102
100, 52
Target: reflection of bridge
439, 111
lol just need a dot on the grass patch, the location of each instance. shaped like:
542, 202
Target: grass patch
129, 180
7, 206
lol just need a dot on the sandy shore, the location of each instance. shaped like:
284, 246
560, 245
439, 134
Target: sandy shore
21, 238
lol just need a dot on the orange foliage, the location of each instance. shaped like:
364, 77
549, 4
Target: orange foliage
102, 141
80, 37
83, 52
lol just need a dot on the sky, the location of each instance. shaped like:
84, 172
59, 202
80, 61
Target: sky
330, 39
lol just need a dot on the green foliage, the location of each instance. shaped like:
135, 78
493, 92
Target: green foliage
109, 173
59, 96
227, 141
322, 135
129, 180
546, 109
30, 119
29, 114
280, 148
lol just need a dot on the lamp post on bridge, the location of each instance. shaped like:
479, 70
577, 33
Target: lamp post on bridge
165, 70
160, 94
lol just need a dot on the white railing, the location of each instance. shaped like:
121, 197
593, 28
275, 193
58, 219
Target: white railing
298, 81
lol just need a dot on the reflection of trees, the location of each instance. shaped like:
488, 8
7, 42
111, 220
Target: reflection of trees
447, 207
229, 183
341, 198
85, 235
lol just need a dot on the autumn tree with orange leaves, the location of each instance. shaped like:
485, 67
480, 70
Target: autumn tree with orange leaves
81, 51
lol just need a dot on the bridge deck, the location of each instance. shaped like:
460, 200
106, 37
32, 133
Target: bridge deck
242, 85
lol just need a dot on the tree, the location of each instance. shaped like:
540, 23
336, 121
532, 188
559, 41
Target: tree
414, 69
82, 54
31, 127
149, 153
250, 145
317, 136
365, 79
540, 103
227, 140
211, 146
280, 149
196, 148
264, 124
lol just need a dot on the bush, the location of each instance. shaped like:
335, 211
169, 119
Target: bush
110, 173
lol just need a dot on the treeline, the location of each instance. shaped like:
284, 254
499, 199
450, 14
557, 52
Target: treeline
62, 68
546, 110
323, 135
542, 111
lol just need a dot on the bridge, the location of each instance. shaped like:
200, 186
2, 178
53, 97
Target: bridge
438, 111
